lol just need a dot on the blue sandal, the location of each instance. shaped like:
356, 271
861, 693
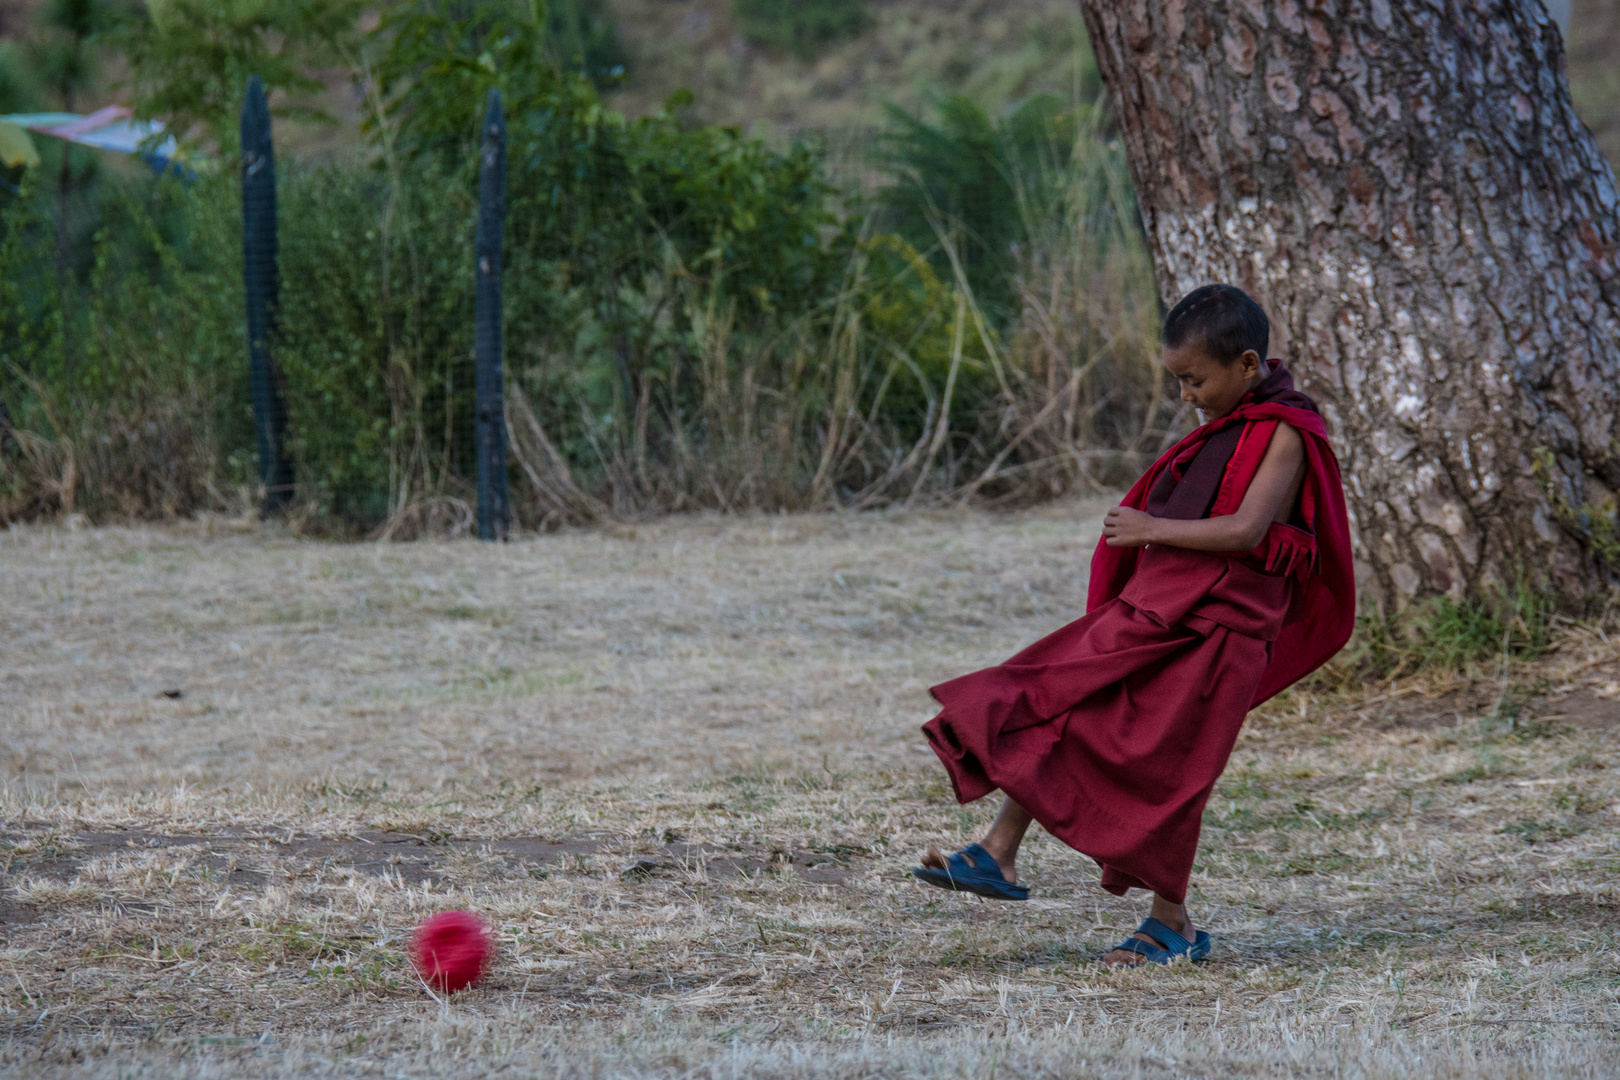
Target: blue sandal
1173, 944
983, 879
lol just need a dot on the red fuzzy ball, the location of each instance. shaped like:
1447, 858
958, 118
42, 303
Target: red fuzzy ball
452, 950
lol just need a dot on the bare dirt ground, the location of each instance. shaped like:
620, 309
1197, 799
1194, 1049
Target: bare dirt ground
679, 768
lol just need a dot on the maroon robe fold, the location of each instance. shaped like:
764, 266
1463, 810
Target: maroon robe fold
1113, 730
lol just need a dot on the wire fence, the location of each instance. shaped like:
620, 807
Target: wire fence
261, 287
666, 319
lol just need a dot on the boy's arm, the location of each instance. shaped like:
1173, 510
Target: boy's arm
1269, 494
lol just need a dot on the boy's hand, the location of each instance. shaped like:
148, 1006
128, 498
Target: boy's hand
1124, 527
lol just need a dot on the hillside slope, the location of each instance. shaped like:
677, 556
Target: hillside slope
992, 50
996, 52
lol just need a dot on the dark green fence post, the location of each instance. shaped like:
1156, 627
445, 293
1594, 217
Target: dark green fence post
494, 514
262, 281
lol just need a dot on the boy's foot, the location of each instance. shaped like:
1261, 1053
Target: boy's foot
971, 870
1127, 958
935, 861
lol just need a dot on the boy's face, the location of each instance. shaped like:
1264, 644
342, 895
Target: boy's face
1208, 385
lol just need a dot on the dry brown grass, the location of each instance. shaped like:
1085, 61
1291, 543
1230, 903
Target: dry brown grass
679, 767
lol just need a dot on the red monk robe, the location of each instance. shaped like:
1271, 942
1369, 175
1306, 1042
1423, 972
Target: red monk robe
1112, 731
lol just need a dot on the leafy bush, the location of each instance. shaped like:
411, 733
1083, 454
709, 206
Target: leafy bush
189, 59
800, 27
688, 321
585, 39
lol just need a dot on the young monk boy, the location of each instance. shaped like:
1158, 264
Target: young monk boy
1223, 577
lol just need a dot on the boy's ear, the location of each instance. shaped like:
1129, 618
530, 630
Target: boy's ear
1250, 360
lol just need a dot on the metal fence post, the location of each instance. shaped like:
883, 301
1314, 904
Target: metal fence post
494, 513
262, 282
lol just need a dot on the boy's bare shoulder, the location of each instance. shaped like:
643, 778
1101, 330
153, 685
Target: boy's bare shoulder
1286, 439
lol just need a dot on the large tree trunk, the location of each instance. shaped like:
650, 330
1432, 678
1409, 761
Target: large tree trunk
1406, 188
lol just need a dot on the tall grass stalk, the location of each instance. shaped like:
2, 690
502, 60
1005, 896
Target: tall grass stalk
1083, 403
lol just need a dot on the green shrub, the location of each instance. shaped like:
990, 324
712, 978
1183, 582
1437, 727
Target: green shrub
801, 27
149, 416
585, 38
376, 337
190, 59
914, 315
688, 321
984, 179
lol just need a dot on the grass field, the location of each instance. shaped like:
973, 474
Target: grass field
679, 767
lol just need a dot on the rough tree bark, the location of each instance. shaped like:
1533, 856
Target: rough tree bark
1406, 188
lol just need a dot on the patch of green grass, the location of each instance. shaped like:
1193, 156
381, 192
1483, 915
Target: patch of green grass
1265, 815
1442, 634
359, 792
1307, 865
749, 794
826, 780
1490, 763
841, 852
1573, 799
1536, 831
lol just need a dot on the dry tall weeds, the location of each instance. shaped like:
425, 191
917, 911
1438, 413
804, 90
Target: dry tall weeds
1086, 407
678, 766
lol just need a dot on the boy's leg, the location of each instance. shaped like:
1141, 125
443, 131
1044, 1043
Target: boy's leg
1002, 841
1172, 915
